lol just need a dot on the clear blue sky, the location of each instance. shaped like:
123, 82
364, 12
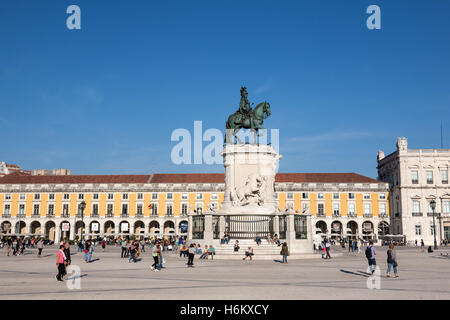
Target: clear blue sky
105, 99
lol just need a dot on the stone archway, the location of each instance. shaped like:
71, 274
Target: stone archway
383, 228
169, 227
35, 228
65, 234
139, 227
352, 230
367, 230
183, 226
20, 228
336, 230
124, 227
153, 227
109, 228
6, 227
321, 227
50, 228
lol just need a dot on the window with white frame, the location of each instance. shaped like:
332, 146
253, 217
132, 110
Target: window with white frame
320, 196
414, 176
21, 209
290, 195
418, 228
110, 209
51, 196
66, 196
446, 206
199, 208
7, 210
169, 196
65, 210
199, 196
140, 196
95, 209
366, 196
139, 209
110, 196
444, 175
416, 206
51, 209
36, 209
7, 196
184, 208
22, 196
336, 210
214, 196
95, 196
383, 209
276, 195
124, 209
335, 195
351, 209
124, 196
154, 196
37, 196
80, 196
430, 210
184, 196
154, 209
304, 207
382, 196
320, 209
169, 209
429, 176
367, 208
351, 195
305, 195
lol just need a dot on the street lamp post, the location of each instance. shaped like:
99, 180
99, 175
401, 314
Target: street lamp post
433, 206
82, 207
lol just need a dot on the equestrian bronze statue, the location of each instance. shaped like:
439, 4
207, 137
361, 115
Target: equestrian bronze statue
246, 117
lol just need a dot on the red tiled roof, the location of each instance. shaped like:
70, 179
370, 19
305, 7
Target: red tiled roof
188, 178
22, 178
350, 177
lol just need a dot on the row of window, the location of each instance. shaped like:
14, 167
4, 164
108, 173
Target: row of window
351, 209
416, 207
109, 209
418, 229
429, 176
95, 196
305, 195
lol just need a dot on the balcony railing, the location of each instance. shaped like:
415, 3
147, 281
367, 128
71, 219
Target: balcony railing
444, 181
50, 215
415, 181
6, 215
65, 215
110, 215
124, 215
368, 215
21, 215
321, 214
417, 214
352, 214
430, 214
383, 215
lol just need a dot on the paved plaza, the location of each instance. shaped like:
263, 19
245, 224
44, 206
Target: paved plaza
422, 276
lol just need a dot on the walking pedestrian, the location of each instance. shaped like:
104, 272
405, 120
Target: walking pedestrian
327, 249
103, 244
191, 255
370, 255
40, 246
123, 244
132, 254
392, 261
350, 245
155, 255
67, 252
8, 246
284, 252
60, 263
86, 251
422, 245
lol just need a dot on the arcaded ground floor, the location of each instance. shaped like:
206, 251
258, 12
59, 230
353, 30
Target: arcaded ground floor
422, 276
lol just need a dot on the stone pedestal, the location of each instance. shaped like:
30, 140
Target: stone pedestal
249, 179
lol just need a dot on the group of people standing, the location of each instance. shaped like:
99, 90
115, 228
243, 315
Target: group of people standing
63, 260
391, 259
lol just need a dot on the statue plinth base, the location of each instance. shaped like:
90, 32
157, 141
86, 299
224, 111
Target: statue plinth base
249, 179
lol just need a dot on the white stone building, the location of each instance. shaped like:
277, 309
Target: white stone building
416, 177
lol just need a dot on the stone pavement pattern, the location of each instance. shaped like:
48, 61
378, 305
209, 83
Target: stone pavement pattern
422, 276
